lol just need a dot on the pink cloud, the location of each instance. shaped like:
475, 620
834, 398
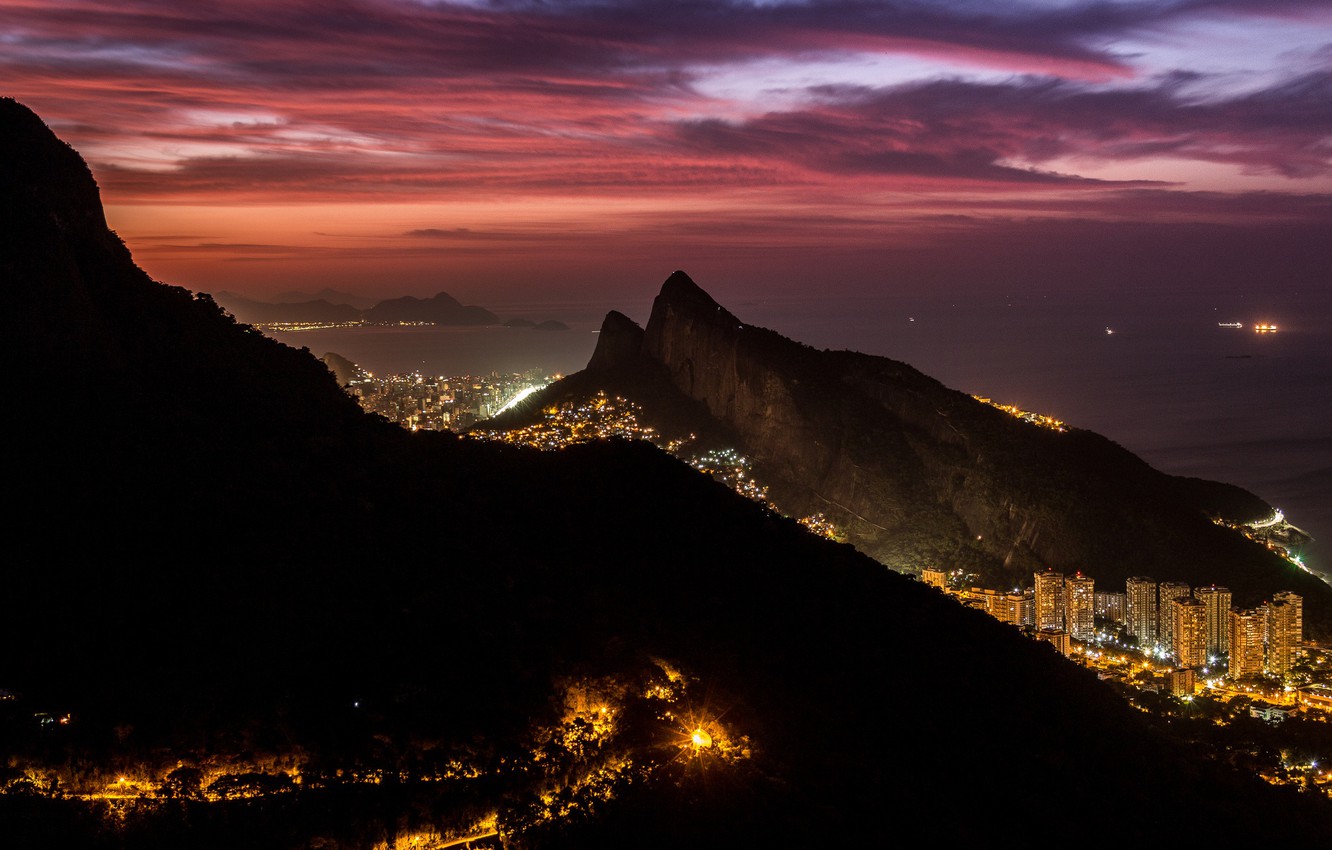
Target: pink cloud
370, 103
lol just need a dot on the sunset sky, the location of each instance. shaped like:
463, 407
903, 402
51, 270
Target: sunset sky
572, 149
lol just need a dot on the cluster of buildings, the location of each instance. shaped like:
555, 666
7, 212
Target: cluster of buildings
601, 417
441, 403
1192, 628
423, 402
733, 469
604, 417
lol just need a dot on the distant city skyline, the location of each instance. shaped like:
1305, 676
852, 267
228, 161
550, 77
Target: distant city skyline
518, 149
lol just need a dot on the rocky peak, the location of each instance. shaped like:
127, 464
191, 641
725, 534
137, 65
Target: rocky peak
619, 343
682, 300
914, 472
43, 177
56, 254
681, 293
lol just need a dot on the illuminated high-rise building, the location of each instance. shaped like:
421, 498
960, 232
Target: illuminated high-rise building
1189, 631
999, 607
1112, 606
1013, 608
1287, 597
1049, 600
1080, 606
1285, 627
1246, 630
1165, 622
1141, 593
934, 577
1027, 608
1217, 601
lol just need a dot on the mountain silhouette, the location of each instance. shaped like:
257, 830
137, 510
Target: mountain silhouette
441, 309
217, 564
251, 311
919, 475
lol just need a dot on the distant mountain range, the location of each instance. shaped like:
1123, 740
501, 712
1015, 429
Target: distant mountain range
295, 296
331, 307
219, 570
919, 475
442, 309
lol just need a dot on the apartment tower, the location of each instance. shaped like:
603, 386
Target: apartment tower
1080, 613
1245, 636
1285, 631
1049, 600
1217, 602
1165, 624
1141, 601
1189, 631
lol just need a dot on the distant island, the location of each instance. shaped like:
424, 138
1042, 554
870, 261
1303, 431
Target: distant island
330, 307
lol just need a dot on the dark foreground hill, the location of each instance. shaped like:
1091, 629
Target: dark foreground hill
240, 613
919, 475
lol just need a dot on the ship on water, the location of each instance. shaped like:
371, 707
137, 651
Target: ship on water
1230, 324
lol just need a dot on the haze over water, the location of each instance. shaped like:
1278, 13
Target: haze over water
1189, 397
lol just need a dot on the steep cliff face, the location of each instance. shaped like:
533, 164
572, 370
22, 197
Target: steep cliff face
919, 474
861, 439
834, 433
50, 225
81, 300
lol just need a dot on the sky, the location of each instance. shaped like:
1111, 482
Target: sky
524, 149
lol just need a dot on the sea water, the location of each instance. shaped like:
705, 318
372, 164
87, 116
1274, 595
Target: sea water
1163, 375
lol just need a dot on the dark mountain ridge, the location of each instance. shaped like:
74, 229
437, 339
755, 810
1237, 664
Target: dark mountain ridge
215, 558
333, 296
251, 311
917, 474
440, 309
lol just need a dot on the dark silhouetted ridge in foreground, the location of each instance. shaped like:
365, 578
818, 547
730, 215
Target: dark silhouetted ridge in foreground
215, 559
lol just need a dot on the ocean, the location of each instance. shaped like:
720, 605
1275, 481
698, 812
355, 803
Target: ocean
1157, 373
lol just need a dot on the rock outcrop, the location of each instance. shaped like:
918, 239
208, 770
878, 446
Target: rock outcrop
918, 474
